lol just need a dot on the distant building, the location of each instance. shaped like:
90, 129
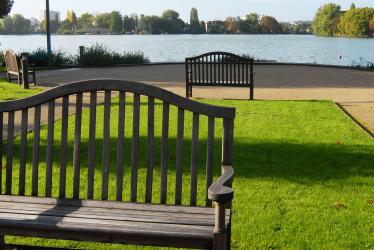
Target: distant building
53, 15
215, 26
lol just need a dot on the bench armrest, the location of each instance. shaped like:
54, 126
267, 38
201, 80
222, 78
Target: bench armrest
220, 191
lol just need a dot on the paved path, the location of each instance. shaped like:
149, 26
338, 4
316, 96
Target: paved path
353, 89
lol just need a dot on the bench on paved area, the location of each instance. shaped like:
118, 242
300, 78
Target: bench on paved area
50, 212
14, 68
219, 69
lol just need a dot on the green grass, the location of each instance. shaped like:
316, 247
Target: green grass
11, 91
303, 180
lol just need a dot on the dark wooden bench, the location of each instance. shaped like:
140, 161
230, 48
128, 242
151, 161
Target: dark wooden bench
59, 200
14, 68
219, 69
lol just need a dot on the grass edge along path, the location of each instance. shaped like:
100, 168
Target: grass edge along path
303, 175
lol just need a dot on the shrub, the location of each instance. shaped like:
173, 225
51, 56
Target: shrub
2, 61
100, 55
39, 57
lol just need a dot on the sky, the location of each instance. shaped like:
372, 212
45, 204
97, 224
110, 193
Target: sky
283, 10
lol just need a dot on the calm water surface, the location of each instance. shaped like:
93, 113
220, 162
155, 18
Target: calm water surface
171, 48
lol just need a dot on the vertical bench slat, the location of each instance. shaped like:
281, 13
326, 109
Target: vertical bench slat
210, 68
194, 159
36, 147
199, 67
91, 146
243, 72
120, 145
9, 158
179, 157
150, 149
218, 65
77, 145
227, 69
251, 82
194, 71
49, 152
234, 66
203, 68
1, 149
231, 71
23, 153
135, 148
209, 159
64, 145
164, 152
106, 147
215, 68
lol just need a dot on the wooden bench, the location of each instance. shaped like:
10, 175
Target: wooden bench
14, 68
60, 199
219, 69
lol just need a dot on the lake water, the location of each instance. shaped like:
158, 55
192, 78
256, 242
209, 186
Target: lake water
172, 48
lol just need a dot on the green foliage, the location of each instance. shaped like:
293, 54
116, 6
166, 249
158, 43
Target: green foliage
250, 25
325, 22
85, 21
129, 24
2, 61
195, 25
5, 7
115, 22
39, 57
355, 22
270, 25
100, 55
15, 24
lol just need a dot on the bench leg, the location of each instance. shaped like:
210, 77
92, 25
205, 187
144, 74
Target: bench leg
187, 91
34, 78
2, 242
220, 241
19, 79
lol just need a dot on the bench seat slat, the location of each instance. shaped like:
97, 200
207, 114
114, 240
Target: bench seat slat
135, 225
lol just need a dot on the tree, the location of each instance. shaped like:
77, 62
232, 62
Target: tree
72, 18
195, 23
356, 22
353, 6
7, 24
270, 25
371, 26
129, 24
85, 21
5, 7
102, 21
21, 25
325, 22
115, 22
230, 25
171, 22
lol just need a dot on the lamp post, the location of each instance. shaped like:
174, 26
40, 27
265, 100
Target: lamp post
48, 27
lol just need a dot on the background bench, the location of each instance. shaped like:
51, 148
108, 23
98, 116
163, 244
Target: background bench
51, 192
219, 69
14, 67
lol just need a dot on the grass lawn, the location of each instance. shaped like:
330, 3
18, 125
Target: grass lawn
11, 91
303, 180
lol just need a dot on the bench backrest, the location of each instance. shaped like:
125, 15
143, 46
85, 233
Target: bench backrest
219, 69
12, 61
65, 158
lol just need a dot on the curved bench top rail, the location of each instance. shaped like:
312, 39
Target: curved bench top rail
221, 53
118, 85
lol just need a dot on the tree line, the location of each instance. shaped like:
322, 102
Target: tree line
168, 23
331, 20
